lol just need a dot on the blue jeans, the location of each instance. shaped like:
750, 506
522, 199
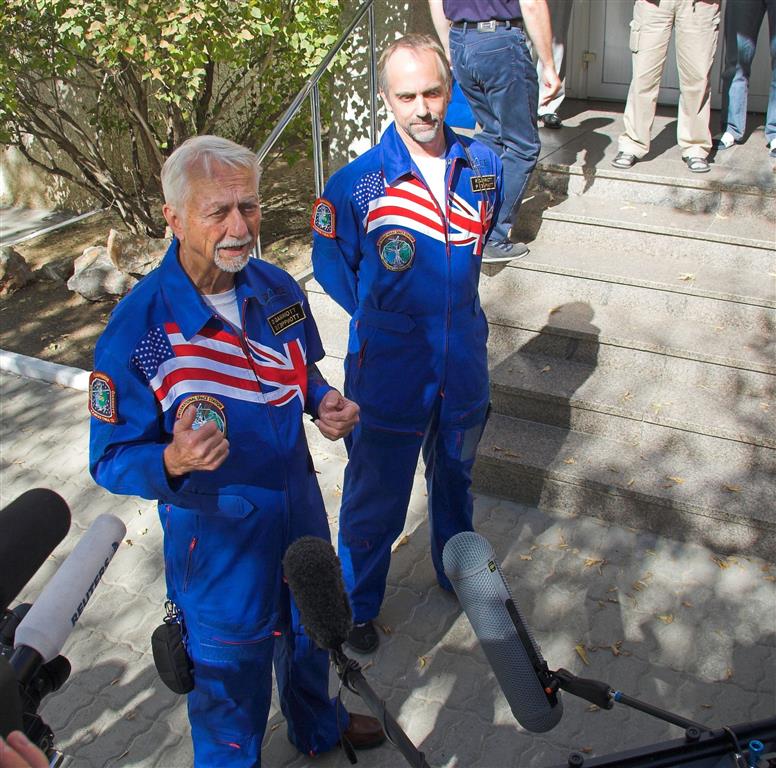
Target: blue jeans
742, 25
498, 77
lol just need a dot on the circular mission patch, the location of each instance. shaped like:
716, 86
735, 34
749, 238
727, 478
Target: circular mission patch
208, 409
397, 250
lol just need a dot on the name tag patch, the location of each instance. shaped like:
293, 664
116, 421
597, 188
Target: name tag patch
485, 183
286, 318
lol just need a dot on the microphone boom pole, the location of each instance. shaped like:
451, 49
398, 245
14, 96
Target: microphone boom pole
349, 672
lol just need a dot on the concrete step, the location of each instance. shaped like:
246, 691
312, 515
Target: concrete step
718, 492
597, 313
632, 393
625, 226
689, 193
745, 278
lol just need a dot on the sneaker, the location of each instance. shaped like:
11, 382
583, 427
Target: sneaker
725, 141
503, 250
363, 638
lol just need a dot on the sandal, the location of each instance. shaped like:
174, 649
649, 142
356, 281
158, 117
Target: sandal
624, 160
697, 164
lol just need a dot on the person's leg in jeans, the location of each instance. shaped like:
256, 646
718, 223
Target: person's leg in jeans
742, 24
770, 118
495, 72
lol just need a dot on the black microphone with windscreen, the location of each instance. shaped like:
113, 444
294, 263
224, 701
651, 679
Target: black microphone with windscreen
31, 527
314, 575
470, 564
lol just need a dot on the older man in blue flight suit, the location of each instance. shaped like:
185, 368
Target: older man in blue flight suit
201, 380
398, 240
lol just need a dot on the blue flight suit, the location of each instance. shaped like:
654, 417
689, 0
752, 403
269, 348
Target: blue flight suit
225, 531
408, 275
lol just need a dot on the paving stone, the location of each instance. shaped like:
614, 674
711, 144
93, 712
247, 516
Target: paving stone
710, 663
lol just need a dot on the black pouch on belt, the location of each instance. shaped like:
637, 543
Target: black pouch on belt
170, 657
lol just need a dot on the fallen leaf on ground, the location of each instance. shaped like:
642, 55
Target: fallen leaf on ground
616, 648
596, 562
666, 618
526, 557
687, 276
405, 539
675, 479
562, 543
732, 488
570, 460
422, 661
582, 653
721, 562
546, 369
386, 629
594, 708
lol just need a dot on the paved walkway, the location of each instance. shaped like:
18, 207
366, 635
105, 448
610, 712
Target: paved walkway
668, 622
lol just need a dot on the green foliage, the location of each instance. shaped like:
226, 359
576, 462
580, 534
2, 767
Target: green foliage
108, 87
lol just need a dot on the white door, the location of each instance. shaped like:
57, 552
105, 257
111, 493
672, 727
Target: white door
599, 65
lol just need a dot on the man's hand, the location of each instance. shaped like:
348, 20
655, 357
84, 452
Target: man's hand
20, 752
551, 83
336, 415
205, 448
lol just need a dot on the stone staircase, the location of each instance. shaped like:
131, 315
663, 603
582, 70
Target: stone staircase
633, 351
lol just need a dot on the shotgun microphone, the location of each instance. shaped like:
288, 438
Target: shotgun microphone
31, 526
470, 564
54, 614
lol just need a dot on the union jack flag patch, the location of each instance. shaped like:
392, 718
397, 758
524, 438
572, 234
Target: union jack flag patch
324, 218
102, 397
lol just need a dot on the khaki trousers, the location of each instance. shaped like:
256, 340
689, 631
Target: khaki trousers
697, 27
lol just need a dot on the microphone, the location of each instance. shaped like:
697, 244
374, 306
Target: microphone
470, 564
43, 631
30, 529
314, 576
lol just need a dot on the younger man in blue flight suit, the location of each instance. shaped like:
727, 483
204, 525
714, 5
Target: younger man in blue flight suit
201, 380
398, 240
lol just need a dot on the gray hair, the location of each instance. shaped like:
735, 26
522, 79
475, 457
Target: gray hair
202, 152
416, 42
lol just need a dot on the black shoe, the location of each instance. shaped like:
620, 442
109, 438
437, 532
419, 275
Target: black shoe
364, 732
624, 160
551, 120
503, 250
363, 638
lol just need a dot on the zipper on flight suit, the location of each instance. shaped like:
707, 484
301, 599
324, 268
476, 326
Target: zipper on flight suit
445, 217
242, 335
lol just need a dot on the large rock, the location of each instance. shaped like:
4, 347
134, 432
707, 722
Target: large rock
15, 273
135, 254
96, 276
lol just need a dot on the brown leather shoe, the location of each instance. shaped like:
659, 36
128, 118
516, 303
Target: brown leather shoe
364, 732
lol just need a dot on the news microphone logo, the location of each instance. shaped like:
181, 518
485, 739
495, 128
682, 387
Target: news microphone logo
97, 579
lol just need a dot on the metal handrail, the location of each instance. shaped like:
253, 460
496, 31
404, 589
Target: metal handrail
310, 89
